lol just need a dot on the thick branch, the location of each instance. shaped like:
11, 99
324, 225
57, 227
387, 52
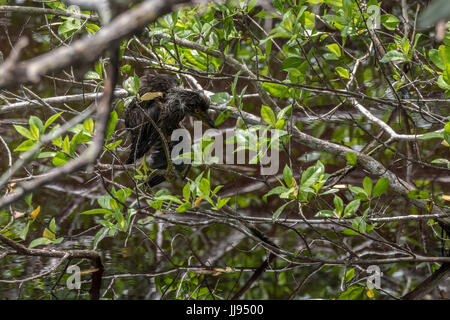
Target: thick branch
87, 49
39, 11
429, 283
87, 97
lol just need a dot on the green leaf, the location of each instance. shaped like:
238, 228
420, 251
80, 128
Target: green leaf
80, 137
343, 72
92, 75
352, 159
406, 46
380, 187
224, 115
51, 120
168, 197
352, 293
58, 142
357, 190
431, 135
48, 234
34, 132
52, 225
291, 63
442, 83
36, 122
266, 14
351, 208
119, 218
132, 84
111, 125
268, 115
279, 211
367, 184
204, 187
334, 49
446, 74
113, 145
101, 234
97, 211
222, 202
123, 194
24, 132
283, 112
68, 27
311, 175
66, 145
59, 240
24, 146
24, 232
216, 189
60, 159
88, 124
276, 190
418, 194
338, 204
274, 89
441, 161
39, 242
447, 127
187, 191
43, 155
349, 275
325, 214
436, 57
389, 21
221, 98
184, 207
287, 175
393, 55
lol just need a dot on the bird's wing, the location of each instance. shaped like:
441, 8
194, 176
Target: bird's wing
143, 135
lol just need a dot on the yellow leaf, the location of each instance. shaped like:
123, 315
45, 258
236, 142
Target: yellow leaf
205, 271
445, 143
89, 271
196, 202
11, 187
48, 234
151, 96
18, 214
35, 212
446, 197
429, 206
294, 183
370, 293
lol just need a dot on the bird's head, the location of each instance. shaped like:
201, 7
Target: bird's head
195, 103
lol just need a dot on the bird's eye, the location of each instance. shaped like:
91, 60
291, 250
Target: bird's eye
197, 110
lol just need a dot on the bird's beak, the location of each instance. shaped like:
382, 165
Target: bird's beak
205, 118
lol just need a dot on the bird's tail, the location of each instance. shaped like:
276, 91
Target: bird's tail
155, 180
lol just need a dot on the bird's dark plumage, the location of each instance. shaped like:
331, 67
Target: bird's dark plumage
166, 109
142, 133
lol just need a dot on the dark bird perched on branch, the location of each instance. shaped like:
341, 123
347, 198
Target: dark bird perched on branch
164, 104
